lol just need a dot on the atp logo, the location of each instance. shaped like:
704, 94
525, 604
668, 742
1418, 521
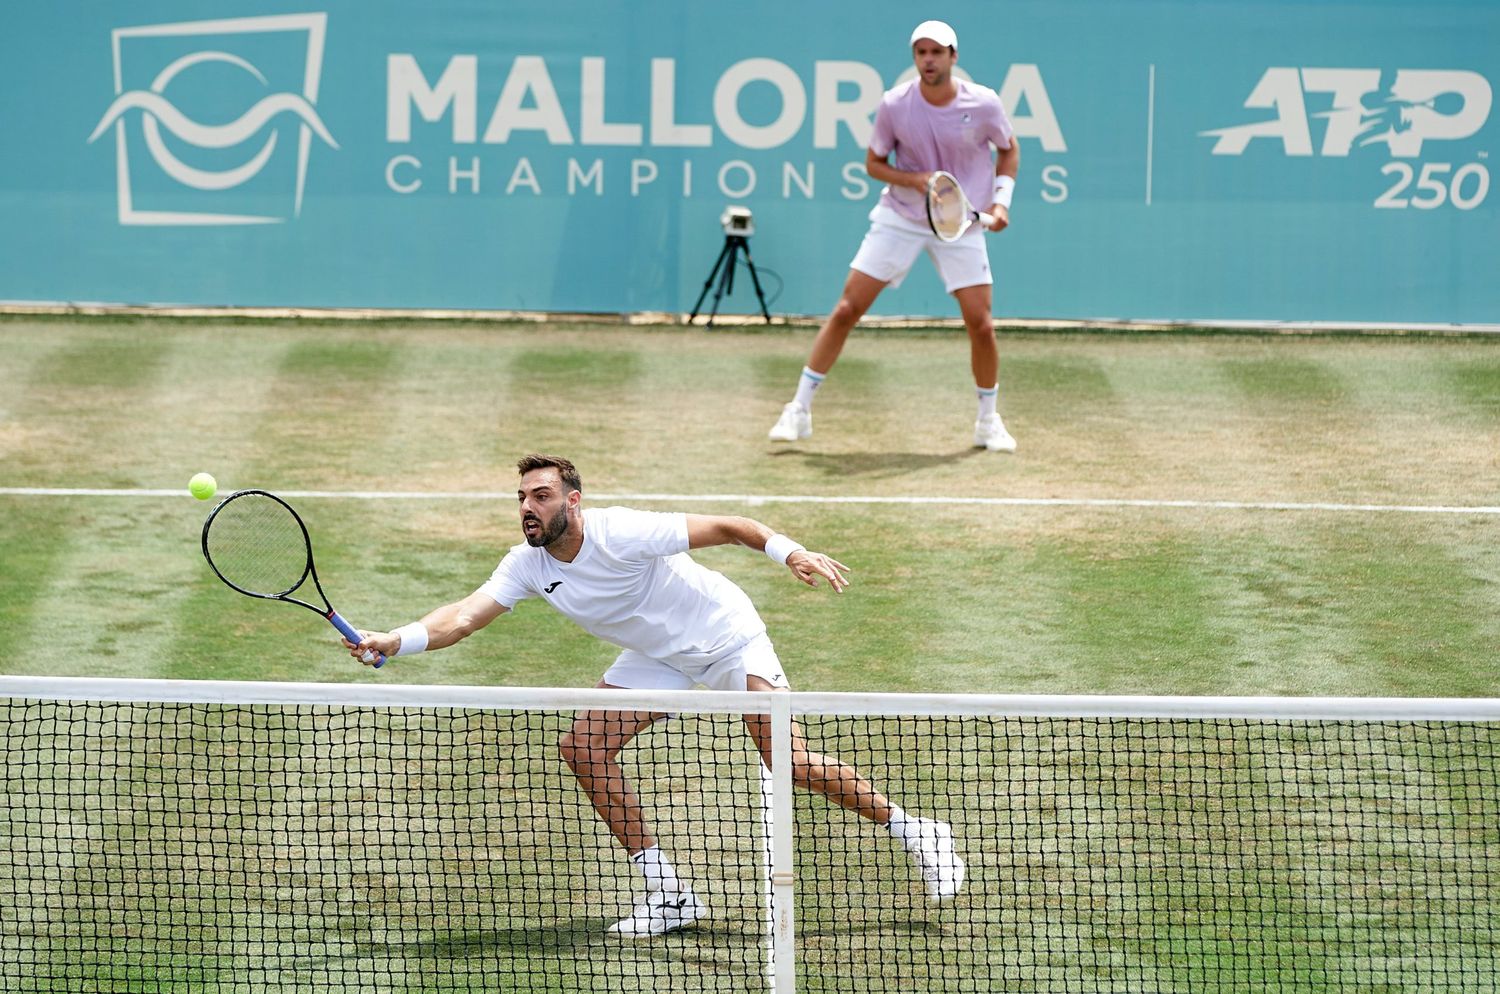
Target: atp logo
1421, 105
235, 99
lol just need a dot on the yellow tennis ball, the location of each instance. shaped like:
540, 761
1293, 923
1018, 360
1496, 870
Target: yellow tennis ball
202, 486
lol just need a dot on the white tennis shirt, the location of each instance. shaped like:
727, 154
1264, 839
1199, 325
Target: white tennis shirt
634, 584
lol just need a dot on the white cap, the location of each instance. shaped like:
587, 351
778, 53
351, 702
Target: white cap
938, 32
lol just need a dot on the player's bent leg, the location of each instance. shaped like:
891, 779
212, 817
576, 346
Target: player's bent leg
984, 352
860, 291
590, 748
984, 359
928, 841
812, 771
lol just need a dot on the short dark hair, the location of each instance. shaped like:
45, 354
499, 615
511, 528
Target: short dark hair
565, 469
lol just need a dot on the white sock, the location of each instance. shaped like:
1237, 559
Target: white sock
987, 399
806, 387
656, 868
900, 825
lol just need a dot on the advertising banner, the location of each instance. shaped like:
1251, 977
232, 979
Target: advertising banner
1204, 160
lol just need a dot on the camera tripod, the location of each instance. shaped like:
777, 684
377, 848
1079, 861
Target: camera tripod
734, 245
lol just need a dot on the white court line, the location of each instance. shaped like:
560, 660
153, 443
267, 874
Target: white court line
757, 499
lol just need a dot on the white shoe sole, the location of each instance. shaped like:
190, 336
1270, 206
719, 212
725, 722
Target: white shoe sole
936, 893
630, 928
781, 432
992, 445
941, 891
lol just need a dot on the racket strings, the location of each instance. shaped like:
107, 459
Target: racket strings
946, 207
257, 544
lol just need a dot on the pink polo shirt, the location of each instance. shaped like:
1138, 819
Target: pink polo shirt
955, 137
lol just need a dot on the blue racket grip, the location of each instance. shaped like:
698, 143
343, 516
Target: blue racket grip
347, 630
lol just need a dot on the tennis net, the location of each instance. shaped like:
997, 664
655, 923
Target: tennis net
165, 836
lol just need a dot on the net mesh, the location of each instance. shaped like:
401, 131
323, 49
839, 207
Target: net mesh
946, 208
1166, 855
233, 847
257, 544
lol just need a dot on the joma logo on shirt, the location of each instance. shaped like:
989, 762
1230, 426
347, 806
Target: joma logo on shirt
552, 586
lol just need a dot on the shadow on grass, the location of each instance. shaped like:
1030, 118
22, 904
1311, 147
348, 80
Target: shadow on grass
703, 941
560, 938
906, 928
845, 464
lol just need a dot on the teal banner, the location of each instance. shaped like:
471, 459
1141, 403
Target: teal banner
1190, 160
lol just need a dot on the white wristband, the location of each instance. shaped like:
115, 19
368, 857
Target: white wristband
1004, 187
413, 638
779, 547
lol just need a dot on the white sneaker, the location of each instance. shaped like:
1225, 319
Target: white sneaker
990, 433
794, 424
931, 848
660, 912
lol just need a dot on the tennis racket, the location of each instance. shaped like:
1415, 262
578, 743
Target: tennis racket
258, 545
949, 212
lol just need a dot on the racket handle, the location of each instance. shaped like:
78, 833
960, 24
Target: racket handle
986, 219
347, 630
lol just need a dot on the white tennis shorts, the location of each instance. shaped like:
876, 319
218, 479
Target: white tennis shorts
893, 243
634, 671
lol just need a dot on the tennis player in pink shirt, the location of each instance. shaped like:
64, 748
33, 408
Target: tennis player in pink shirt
929, 123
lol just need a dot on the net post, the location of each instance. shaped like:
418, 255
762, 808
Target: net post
782, 875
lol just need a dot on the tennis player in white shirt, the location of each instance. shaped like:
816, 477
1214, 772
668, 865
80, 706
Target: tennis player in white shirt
626, 576
933, 122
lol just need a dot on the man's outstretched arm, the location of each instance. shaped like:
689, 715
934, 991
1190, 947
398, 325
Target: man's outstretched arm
705, 530
441, 628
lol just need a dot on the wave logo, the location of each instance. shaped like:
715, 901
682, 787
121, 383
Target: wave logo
1421, 105
244, 169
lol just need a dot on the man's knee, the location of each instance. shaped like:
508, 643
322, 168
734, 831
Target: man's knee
846, 313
